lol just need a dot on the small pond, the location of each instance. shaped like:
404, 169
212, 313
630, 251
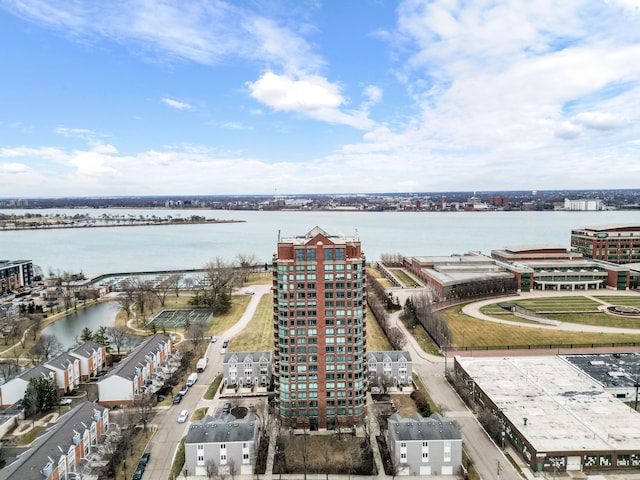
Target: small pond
68, 329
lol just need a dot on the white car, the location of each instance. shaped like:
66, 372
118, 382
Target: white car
214, 339
248, 291
184, 414
65, 401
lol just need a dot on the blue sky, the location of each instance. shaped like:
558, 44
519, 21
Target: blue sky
207, 97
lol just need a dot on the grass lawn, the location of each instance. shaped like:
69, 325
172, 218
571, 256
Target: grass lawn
374, 272
416, 379
599, 319
626, 300
480, 333
221, 323
178, 461
199, 414
258, 334
557, 304
324, 453
213, 388
404, 278
424, 340
404, 403
377, 341
30, 436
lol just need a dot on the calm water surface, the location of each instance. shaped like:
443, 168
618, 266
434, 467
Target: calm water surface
68, 329
150, 248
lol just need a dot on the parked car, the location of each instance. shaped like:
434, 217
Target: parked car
248, 291
226, 408
183, 391
137, 475
65, 401
177, 399
144, 459
184, 414
214, 339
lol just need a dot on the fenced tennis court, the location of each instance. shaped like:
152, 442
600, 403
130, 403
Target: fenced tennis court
180, 318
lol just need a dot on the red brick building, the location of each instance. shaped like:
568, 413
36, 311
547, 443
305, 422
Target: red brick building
618, 243
319, 298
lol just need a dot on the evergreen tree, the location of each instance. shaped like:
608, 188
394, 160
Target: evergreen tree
101, 336
87, 335
41, 395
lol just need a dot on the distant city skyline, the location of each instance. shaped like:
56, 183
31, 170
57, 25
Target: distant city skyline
302, 97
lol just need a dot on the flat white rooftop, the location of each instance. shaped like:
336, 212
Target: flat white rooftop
565, 410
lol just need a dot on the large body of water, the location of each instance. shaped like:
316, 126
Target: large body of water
174, 247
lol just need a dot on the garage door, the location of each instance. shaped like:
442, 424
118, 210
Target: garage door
426, 470
447, 470
574, 463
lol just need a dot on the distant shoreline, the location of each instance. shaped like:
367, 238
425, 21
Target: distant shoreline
49, 223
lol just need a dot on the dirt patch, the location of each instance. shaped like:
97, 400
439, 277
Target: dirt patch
332, 454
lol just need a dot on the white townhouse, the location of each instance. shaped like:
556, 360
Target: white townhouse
247, 368
56, 454
126, 380
67, 369
14, 389
93, 359
389, 369
424, 445
223, 445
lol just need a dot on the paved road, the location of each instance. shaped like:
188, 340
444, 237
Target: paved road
164, 443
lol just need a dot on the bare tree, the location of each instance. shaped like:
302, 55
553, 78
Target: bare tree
174, 281
384, 382
127, 296
211, 468
36, 321
233, 468
391, 259
397, 338
161, 289
8, 368
119, 337
246, 262
196, 333
46, 346
144, 406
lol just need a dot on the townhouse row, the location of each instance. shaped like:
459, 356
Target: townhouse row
143, 370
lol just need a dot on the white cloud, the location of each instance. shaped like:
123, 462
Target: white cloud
92, 164
599, 120
281, 92
199, 30
13, 168
373, 95
82, 133
49, 153
310, 95
177, 104
568, 130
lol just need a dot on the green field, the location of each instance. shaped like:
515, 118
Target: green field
626, 300
258, 335
557, 304
406, 279
481, 333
